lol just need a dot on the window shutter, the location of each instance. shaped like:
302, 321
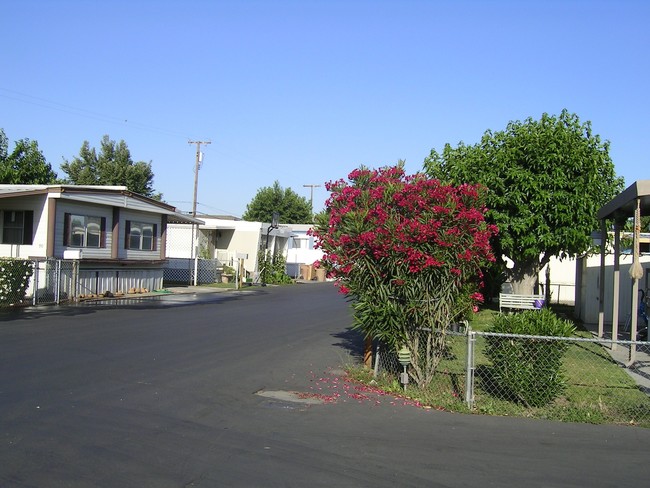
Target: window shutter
28, 227
102, 235
66, 229
127, 234
154, 237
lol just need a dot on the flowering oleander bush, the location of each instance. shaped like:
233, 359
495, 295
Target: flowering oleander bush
408, 251
14, 280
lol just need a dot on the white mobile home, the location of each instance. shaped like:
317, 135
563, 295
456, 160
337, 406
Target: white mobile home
118, 237
225, 239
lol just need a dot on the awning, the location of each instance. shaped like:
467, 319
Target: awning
633, 202
623, 205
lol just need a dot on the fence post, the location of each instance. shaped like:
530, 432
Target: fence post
35, 275
57, 282
376, 369
75, 279
469, 382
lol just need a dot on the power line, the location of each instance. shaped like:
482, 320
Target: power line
80, 112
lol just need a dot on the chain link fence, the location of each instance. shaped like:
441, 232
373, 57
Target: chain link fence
47, 281
568, 379
35, 282
192, 256
183, 270
54, 281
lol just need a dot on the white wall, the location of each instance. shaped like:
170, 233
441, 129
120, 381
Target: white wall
38, 248
589, 291
563, 285
246, 239
233, 237
301, 249
238, 236
179, 241
563, 280
296, 257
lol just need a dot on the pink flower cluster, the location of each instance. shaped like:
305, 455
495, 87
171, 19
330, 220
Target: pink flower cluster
403, 226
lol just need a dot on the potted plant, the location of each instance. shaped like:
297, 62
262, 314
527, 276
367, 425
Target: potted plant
227, 274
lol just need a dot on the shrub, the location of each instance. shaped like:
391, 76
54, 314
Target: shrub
273, 267
14, 280
408, 251
528, 369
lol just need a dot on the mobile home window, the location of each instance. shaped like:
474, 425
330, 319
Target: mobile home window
84, 231
140, 236
17, 227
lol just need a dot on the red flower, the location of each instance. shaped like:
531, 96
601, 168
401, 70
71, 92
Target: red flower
477, 297
383, 223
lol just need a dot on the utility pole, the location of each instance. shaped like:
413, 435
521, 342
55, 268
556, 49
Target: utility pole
197, 165
311, 199
195, 250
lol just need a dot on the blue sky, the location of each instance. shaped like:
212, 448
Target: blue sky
304, 92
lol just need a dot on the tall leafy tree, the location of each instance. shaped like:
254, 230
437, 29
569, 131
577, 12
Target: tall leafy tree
113, 165
292, 207
546, 178
25, 165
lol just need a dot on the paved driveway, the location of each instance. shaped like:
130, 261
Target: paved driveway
165, 393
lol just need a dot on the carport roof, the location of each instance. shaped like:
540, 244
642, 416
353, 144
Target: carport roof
623, 205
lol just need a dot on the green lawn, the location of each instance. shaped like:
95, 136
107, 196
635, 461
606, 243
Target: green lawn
598, 390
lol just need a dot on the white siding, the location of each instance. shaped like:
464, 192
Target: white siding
36, 203
112, 200
64, 207
246, 240
590, 289
147, 218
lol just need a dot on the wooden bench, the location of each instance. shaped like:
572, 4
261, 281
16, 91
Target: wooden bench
519, 302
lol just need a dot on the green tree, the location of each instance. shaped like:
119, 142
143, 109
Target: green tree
25, 165
112, 166
292, 207
547, 179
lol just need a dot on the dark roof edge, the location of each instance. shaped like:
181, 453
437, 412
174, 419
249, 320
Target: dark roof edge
638, 189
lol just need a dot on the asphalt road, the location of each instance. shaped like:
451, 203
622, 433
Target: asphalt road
165, 393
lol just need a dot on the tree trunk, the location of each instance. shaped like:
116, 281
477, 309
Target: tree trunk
524, 282
367, 353
547, 286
